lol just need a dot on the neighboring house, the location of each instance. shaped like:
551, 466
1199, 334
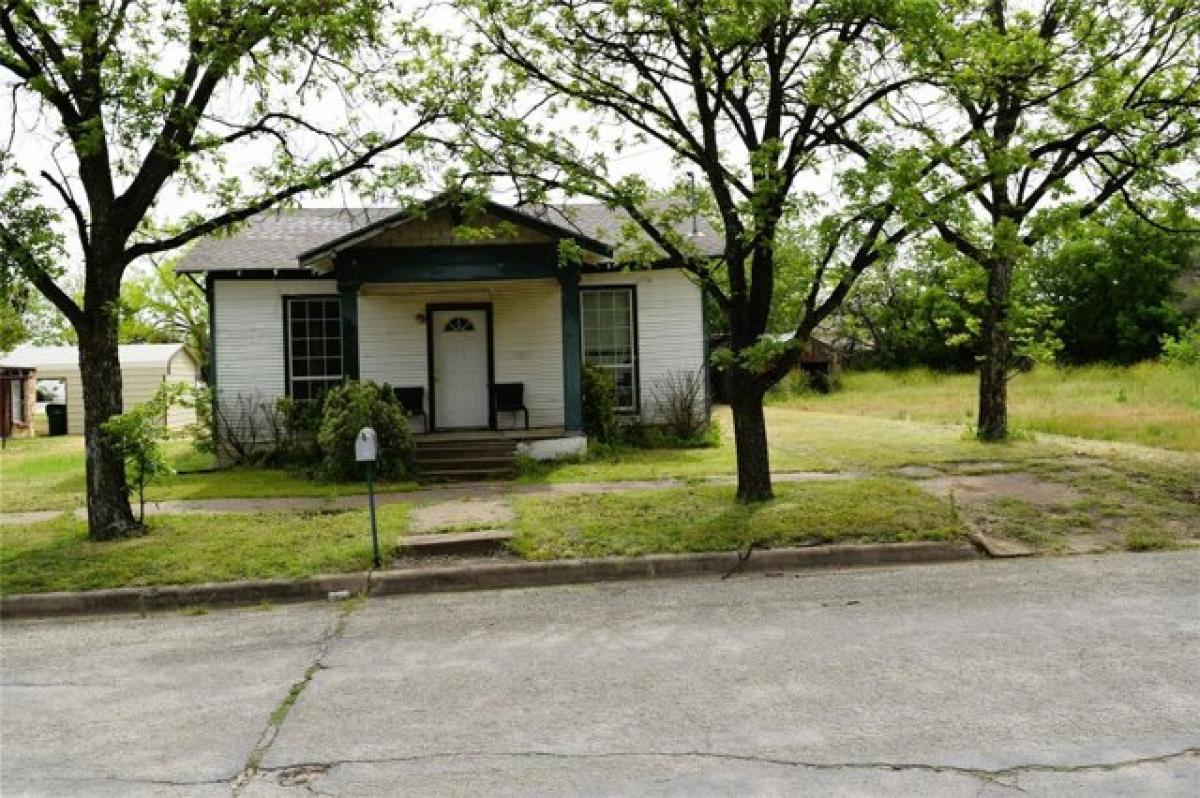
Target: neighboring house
304, 299
821, 361
818, 358
143, 368
18, 393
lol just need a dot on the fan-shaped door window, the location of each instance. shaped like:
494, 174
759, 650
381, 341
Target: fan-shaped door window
459, 324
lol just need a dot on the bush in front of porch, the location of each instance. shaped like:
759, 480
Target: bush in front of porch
314, 437
349, 407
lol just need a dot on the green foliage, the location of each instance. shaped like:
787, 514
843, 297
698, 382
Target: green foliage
924, 311
13, 331
201, 431
1113, 282
1183, 350
165, 307
636, 435
137, 434
599, 405
300, 423
346, 410
31, 247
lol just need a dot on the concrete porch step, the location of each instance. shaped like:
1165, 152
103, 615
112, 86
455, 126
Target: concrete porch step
442, 455
479, 541
465, 459
469, 474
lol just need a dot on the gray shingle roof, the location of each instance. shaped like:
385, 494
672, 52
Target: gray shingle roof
275, 239
598, 221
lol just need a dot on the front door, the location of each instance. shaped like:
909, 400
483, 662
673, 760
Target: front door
460, 368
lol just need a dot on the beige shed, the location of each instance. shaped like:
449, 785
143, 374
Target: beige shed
143, 368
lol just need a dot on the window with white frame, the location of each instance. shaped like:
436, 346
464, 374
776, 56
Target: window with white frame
314, 329
609, 339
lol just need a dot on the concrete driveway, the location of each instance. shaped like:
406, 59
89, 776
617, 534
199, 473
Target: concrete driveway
1057, 676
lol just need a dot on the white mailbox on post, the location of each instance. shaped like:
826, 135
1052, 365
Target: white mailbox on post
366, 450
366, 447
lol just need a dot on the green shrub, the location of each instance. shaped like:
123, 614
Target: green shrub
636, 435
346, 410
137, 433
599, 405
200, 397
1183, 350
299, 423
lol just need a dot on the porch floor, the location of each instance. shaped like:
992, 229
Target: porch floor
533, 434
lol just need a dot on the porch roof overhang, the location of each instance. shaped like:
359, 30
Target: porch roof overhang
325, 257
446, 264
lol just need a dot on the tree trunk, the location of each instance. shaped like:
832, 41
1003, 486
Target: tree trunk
750, 439
993, 370
108, 511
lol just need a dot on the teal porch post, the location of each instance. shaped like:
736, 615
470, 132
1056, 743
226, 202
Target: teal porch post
349, 296
572, 352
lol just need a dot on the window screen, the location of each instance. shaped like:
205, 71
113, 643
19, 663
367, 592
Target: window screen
609, 341
314, 326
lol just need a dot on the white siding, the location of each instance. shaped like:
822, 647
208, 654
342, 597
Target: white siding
527, 328
527, 322
248, 340
670, 326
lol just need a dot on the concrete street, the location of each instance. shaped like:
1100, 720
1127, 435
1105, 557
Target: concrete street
1067, 676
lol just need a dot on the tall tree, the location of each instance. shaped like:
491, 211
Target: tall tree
749, 96
165, 307
1041, 113
244, 104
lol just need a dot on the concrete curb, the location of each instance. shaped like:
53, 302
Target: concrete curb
476, 576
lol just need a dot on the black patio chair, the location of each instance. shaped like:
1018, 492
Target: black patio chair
509, 397
412, 399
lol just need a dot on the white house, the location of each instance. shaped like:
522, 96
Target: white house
465, 324
143, 368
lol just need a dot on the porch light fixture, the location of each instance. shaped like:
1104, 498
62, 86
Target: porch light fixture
420, 318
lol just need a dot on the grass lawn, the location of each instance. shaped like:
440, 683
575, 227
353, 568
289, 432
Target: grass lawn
56, 555
48, 474
900, 434
1149, 403
800, 441
707, 519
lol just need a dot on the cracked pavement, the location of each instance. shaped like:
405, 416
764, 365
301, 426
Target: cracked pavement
1065, 676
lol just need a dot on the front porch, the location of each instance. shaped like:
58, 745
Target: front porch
487, 356
490, 454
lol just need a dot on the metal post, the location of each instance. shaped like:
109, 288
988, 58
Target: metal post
371, 500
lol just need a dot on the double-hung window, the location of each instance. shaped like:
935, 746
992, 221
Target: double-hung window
314, 337
610, 339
